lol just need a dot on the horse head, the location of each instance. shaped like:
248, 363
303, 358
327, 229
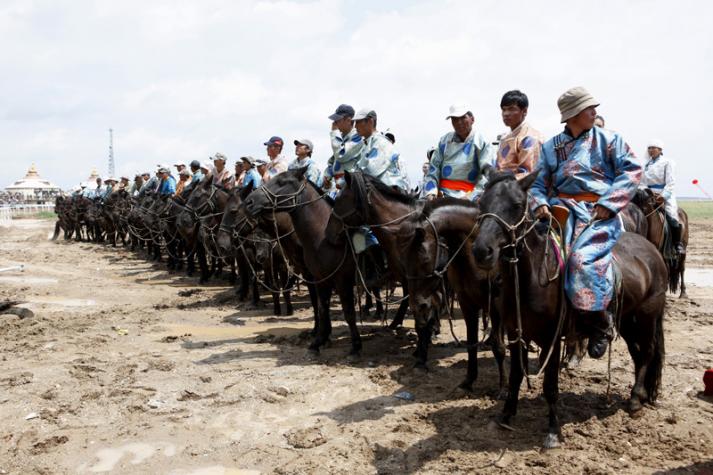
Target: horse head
504, 208
281, 193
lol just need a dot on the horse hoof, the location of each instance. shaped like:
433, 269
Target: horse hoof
420, 366
354, 357
289, 313
552, 441
683, 296
312, 354
635, 407
466, 386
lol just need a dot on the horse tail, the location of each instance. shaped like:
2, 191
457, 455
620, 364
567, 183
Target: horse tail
674, 274
652, 380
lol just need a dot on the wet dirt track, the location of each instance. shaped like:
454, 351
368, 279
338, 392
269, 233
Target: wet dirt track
122, 370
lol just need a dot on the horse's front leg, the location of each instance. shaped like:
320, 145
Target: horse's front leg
324, 325
517, 353
470, 315
550, 386
346, 297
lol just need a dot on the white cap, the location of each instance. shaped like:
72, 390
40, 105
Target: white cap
179, 164
656, 143
364, 113
457, 110
163, 165
207, 165
111, 178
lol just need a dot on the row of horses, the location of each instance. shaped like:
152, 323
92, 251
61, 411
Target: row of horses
492, 255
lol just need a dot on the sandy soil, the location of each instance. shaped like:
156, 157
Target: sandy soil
126, 368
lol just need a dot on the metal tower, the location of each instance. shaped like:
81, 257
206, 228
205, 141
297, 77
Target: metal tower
111, 152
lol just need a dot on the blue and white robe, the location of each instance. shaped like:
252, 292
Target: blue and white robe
599, 162
346, 151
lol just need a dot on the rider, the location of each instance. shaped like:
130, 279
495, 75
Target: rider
184, 177
303, 150
519, 150
277, 163
458, 164
593, 173
346, 146
378, 157
251, 174
168, 183
109, 188
136, 185
659, 176
222, 176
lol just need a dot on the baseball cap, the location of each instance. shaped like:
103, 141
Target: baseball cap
344, 110
275, 140
305, 142
195, 164
179, 164
249, 159
457, 110
220, 156
365, 113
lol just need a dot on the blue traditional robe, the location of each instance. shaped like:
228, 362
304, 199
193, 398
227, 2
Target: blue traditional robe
380, 159
346, 151
252, 176
313, 174
457, 165
597, 162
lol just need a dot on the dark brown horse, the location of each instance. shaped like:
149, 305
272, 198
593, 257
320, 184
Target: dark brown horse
365, 201
330, 263
532, 303
441, 242
653, 209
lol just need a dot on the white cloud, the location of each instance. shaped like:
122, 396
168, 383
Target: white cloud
186, 79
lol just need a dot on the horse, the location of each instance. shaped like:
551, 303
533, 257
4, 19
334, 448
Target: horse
440, 245
329, 262
366, 201
533, 306
653, 210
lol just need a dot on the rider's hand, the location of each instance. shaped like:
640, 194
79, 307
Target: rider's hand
430, 197
543, 212
600, 212
326, 183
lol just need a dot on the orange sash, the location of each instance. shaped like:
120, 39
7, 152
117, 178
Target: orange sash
459, 185
585, 196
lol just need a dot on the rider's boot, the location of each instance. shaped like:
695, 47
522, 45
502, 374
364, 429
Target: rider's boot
676, 230
600, 326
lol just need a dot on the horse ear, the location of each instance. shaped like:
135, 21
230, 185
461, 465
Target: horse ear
527, 181
300, 172
246, 190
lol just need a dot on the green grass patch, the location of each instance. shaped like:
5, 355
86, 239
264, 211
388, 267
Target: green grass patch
697, 209
38, 215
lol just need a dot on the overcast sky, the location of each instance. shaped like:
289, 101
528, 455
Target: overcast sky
183, 80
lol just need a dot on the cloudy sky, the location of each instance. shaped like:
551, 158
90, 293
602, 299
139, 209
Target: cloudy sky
183, 80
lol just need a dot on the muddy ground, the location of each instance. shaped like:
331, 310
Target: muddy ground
126, 368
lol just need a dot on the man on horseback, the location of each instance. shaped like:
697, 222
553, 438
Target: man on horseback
303, 150
593, 173
346, 146
658, 176
251, 175
378, 157
222, 176
458, 164
518, 151
168, 183
278, 163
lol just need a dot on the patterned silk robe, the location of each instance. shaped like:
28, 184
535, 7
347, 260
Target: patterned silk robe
346, 152
456, 166
519, 151
380, 159
313, 174
658, 175
597, 163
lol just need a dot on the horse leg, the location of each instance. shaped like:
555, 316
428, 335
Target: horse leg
286, 293
499, 351
232, 276
346, 296
202, 263
424, 329
550, 387
401, 312
324, 324
366, 309
682, 265
379, 305
470, 315
314, 300
56, 231
516, 375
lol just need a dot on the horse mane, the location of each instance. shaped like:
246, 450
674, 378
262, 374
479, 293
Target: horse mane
319, 191
391, 192
432, 206
498, 176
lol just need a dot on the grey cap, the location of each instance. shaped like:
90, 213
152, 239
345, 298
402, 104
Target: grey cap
365, 113
344, 110
185, 172
220, 156
249, 159
305, 142
260, 161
